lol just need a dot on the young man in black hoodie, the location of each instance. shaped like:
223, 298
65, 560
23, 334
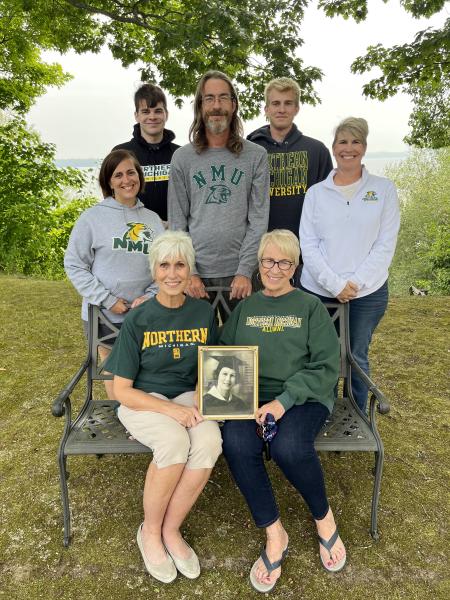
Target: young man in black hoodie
296, 161
152, 145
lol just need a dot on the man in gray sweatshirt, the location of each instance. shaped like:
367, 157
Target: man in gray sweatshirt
219, 191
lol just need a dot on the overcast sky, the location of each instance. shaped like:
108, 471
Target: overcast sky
94, 111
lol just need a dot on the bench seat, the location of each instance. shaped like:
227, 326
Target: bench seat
96, 430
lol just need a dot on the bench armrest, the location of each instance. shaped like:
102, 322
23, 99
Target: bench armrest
383, 405
58, 406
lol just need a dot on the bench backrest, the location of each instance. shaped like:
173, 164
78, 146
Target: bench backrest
338, 314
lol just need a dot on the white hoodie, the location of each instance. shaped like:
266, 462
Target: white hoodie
344, 239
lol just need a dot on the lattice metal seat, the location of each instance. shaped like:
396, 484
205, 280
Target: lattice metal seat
346, 430
97, 430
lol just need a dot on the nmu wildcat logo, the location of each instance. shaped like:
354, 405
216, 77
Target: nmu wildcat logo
218, 194
370, 197
137, 238
220, 182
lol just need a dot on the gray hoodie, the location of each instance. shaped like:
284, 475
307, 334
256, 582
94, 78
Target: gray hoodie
107, 255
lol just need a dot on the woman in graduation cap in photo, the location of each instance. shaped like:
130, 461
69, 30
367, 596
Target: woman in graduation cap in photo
220, 400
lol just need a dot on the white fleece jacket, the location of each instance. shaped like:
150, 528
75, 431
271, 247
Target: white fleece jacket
344, 239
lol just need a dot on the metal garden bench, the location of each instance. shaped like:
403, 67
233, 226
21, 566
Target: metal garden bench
96, 429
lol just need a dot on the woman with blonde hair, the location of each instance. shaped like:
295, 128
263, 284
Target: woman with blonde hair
348, 233
298, 369
154, 362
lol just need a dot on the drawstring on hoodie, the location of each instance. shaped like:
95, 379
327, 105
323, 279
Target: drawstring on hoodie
124, 208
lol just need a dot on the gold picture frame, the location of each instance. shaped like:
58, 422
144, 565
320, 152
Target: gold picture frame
228, 382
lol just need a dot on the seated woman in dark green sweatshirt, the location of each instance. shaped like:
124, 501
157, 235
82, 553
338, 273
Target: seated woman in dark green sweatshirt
298, 370
154, 362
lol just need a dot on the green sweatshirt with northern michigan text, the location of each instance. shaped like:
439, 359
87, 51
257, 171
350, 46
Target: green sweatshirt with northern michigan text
157, 346
298, 346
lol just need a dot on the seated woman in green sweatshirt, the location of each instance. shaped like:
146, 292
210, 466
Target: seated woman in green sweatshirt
298, 370
154, 362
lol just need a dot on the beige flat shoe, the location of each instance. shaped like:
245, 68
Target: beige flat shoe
164, 572
189, 567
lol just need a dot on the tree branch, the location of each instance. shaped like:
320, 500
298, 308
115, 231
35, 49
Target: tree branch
140, 18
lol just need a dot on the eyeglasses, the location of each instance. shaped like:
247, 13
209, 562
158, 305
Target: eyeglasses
268, 430
222, 98
283, 265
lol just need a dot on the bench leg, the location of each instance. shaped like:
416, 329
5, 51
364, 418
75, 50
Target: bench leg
63, 474
379, 459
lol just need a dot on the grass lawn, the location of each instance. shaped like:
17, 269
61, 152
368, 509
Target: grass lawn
41, 347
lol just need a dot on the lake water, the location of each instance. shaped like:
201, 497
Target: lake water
376, 163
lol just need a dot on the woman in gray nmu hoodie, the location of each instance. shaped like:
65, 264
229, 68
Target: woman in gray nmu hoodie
107, 256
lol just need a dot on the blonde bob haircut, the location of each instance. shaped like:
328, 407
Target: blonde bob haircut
286, 241
358, 127
171, 245
283, 84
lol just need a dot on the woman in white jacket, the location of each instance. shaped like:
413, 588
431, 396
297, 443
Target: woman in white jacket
348, 233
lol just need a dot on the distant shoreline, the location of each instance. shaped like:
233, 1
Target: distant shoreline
86, 163
78, 163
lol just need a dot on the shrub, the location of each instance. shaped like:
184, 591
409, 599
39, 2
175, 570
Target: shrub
423, 249
64, 220
35, 217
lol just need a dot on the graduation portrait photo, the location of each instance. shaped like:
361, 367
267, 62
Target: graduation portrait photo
228, 382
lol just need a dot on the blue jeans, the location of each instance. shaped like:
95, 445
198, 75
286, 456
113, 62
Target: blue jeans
293, 451
364, 315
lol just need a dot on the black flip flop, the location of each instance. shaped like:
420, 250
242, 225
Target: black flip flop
266, 587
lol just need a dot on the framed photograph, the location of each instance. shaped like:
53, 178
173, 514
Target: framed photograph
228, 382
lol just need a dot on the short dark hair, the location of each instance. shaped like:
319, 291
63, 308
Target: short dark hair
151, 94
109, 165
227, 362
219, 369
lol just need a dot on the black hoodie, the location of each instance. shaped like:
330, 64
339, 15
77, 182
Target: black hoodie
155, 162
296, 163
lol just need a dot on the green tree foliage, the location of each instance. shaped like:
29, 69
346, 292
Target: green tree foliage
252, 40
422, 257
176, 42
420, 68
23, 75
35, 221
64, 217
430, 119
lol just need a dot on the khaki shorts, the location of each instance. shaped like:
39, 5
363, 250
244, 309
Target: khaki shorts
197, 447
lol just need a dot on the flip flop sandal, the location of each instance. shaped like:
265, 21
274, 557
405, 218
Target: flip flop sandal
266, 587
328, 544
